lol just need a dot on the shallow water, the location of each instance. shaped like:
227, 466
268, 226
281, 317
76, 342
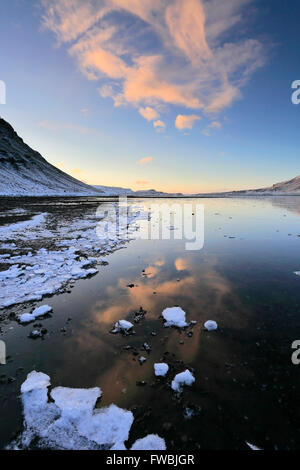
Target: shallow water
246, 386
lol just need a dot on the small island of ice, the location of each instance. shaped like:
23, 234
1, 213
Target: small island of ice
210, 325
161, 369
184, 378
37, 312
150, 442
123, 325
174, 316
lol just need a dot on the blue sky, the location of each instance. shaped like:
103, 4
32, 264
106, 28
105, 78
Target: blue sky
183, 96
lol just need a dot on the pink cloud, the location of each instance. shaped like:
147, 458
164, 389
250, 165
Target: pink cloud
186, 121
145, 160
197, 66
148, 113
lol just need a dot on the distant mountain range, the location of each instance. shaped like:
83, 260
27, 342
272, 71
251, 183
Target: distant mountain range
24, 172
285, 188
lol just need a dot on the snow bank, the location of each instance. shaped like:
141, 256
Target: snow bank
150, 442
161, 369
174, 316
210, 325
71, 421
184, 378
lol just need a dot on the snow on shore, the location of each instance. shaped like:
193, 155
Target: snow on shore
77, 246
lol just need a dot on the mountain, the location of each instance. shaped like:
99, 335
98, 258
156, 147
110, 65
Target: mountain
285, 188
115, 191
24, 172
291, 186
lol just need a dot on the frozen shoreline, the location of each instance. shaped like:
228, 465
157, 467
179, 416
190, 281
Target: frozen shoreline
44, 254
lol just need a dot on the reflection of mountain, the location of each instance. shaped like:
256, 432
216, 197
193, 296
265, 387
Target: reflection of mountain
290, 203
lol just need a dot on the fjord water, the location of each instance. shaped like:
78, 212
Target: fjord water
246, 389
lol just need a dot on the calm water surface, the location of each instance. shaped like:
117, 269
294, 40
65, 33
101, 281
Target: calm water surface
246, 388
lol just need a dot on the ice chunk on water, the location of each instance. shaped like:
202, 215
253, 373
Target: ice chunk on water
73, 401
71, 421
252, 446
161, 369
26, 318
184, 378
35, 380
124, 325
41, 311
150, 442
174, 316
210, 325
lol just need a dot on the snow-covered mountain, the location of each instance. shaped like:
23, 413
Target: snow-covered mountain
285, 188
115, 191
290, 186
24, 172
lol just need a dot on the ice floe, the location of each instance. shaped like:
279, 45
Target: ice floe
37, 312
252, 446
161, 369
122, 326
210, 325
70, 420
184, 378
26, 318
150, 442
174, 316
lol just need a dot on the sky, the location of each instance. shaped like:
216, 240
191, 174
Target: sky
176, 95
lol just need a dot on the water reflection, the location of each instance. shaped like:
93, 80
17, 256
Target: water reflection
246, 385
